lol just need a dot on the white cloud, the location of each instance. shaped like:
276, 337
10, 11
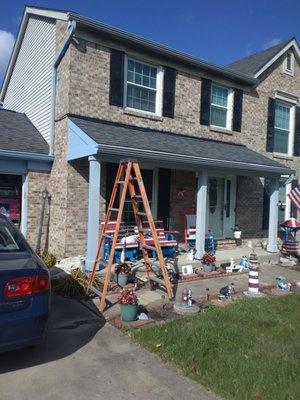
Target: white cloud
7, 41
271, 42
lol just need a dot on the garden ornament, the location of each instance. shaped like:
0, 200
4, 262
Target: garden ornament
282, 284
244, 262
184, 296
190, 302
226, 291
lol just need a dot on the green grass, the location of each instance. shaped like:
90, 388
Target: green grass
248, 350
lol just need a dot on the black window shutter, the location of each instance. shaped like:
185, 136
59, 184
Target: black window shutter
293, 208
266, 206
163, 201
297, 133
116, 86
270, 125
205, 102
169, 92
237, 110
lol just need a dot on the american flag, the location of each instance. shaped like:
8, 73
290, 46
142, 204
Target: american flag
294, 196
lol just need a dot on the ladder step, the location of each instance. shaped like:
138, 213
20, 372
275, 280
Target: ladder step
120, 182
94, 290
149, 247
137, 197
142, 214
114, 209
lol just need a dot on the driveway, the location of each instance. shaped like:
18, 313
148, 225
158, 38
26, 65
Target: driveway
84, 358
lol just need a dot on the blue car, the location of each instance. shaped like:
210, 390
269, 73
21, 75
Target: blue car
24, 291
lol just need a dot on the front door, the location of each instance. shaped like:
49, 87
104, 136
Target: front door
220, 211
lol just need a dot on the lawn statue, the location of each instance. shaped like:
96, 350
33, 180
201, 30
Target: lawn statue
191, 254
231, 267
227, 291
253, 282
244, 262
282, 284
186, 297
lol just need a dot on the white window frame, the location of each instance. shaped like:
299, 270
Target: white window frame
285, 67
292, 108
159, 87
229, 108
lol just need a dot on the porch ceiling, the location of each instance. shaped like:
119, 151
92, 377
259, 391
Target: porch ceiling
130, 141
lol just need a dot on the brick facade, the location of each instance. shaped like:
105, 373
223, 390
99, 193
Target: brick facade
83, 89
37, 182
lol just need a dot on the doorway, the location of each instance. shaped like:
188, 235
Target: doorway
220, 206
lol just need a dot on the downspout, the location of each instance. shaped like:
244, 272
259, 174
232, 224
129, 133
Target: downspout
59, 56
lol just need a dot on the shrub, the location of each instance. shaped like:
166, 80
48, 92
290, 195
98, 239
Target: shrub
49, 259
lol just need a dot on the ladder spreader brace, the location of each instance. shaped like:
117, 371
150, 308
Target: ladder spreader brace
129, 178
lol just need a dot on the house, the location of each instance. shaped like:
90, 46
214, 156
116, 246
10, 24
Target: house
222, 141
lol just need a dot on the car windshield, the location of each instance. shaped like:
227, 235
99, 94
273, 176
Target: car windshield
10, 240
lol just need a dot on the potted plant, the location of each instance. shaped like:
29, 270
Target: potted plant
128, 304
208, 262
122, 272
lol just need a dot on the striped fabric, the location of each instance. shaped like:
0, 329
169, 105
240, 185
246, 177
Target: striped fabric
294, 196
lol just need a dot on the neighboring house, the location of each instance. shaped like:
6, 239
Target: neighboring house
219, 140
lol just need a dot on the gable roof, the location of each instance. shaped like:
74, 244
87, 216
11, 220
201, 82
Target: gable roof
257, 63
17, 133
115, 138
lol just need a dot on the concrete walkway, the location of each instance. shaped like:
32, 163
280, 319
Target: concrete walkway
84, 358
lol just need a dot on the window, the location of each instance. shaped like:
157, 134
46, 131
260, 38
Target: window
221, 107
282, 128
10, 241
288, 65
143, 86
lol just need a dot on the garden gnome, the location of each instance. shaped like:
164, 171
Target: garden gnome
190, 298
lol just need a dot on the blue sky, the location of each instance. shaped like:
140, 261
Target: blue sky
219, 31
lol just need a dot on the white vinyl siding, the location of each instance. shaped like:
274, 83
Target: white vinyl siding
29, 88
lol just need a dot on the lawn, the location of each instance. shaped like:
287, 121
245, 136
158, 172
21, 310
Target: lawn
248, 350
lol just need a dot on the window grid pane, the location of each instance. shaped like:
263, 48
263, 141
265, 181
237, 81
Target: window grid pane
282, 117
141, 98
141, 74
218, 116
281, 141
219, 96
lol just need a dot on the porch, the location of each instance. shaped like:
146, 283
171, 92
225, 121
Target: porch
222, 182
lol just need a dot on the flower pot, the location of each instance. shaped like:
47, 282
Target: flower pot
129, 312
208, 267
122, 279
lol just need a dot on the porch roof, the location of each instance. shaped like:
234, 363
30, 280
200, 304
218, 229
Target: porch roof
130, 141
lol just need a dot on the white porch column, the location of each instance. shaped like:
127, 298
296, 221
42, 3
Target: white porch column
93, 211
273, 216
201, 213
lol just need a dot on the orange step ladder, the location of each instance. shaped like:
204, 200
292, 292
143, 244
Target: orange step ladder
129, 179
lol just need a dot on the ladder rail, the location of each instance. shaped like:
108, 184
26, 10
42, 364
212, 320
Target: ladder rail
115, 237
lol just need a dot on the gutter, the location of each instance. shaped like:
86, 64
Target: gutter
209, 162
26, 156
150, 45
59, 56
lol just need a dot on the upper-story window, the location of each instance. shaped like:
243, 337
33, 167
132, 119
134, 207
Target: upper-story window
288, 64
221, 107
283, 128
143, 86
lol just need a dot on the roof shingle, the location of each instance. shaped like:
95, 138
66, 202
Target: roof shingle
252, 64
17, 133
